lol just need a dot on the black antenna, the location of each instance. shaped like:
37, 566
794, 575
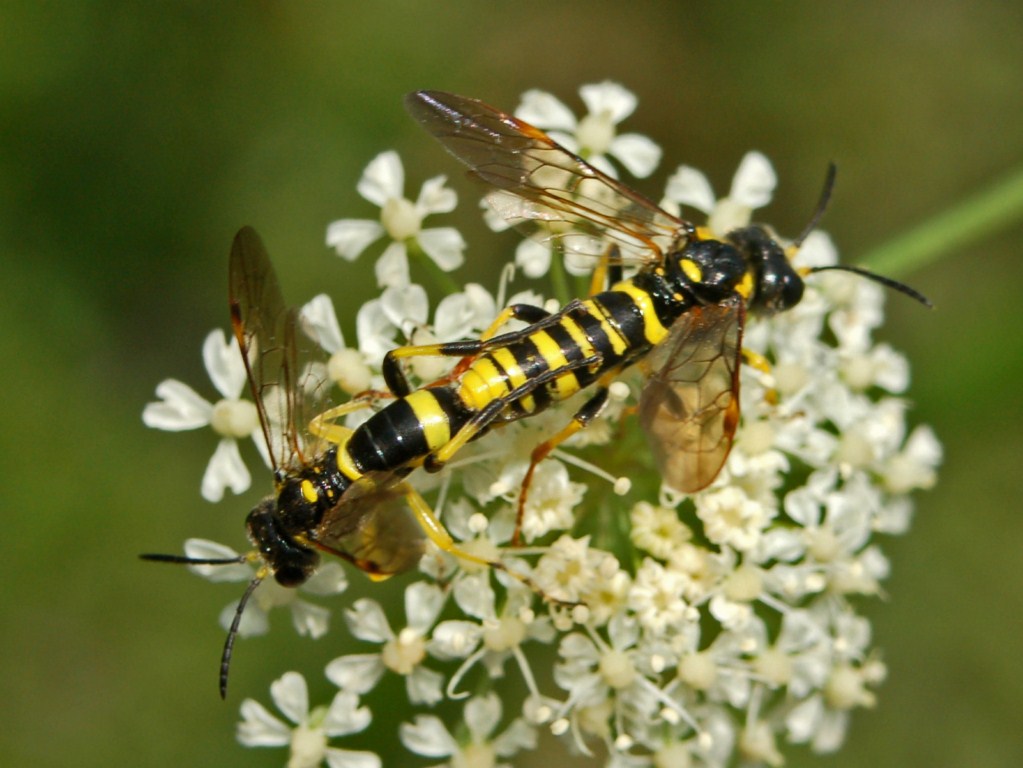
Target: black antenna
822, 205
184, 560
885, 281
232, 633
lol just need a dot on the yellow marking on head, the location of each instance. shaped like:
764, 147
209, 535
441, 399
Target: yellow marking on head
653, 330
431, 417
309, 492
745, 286
691, 270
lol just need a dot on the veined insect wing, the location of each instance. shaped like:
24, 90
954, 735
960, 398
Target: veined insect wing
689, 407
553, 194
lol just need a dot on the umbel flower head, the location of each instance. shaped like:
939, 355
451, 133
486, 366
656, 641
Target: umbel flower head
709, 629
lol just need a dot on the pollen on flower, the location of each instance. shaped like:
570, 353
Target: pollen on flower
846, 689
595, 132
400, 218
774, 666
744, 584
503, 634
403, 653
698, 670
617, 669
348, 368
790, 378
234, 418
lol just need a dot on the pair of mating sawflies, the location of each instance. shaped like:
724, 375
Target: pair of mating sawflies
679, 316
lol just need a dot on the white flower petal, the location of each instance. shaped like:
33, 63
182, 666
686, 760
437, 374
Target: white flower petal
754, 181
475, 595
383, 178
350, 237
254, 621
345, 716
405, 307
802, 720
329, 579
544, 110
391, 269
181, 408
534, 258
482, 714
461, 315
319, 321
444, 245
224, 364
310, 620
347, 758
225, 470
637, 153
367, 621
426, 735
518, 736
291, 695
204, 549
261, 729
454, 639
609, 97
374, 330
687, 186
357, 673
423, 604
424, 686
435, 197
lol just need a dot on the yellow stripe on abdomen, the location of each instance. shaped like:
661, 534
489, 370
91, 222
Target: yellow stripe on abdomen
652, 328
566, 384
431, 417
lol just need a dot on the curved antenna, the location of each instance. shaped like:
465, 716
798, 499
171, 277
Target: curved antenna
822, 205
232, 633
888, 282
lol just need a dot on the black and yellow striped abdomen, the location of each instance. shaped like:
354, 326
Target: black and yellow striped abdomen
403, 433
615, 328
618, 326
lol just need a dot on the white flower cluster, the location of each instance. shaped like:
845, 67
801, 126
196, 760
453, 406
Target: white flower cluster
724, 625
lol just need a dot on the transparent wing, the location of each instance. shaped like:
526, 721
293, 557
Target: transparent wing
373, 528
287, 385
689, 407
540, 181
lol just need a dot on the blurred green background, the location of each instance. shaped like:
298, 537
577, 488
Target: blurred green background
136, 138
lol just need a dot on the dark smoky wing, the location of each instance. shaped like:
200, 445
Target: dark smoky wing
285, 386
689, 407
542, 182
373, 528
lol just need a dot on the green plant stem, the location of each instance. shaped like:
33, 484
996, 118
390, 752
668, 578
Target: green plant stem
447, 284
970, 221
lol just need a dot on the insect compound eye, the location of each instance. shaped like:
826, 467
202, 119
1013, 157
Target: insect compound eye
777, 285
780, 287
291, 575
